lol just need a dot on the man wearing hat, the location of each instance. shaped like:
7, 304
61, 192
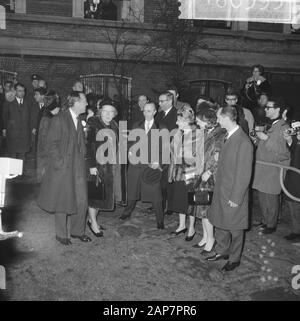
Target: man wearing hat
35, 81
144, 179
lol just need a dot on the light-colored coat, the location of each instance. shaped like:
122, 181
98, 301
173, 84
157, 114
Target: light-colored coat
232, 183
274, 150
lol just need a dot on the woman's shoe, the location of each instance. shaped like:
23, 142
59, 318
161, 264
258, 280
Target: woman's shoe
204, 252
179, 232
197, 246
189, 238
99, 234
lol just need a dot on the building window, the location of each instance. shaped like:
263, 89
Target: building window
216, 24
102, 9
9, 5
214, 88
14, 6
106, 85
7, 76
265, 27
295, 28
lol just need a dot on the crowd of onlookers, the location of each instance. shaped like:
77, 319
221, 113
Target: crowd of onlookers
243, 143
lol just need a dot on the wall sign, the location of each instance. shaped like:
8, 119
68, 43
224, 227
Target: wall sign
273, 11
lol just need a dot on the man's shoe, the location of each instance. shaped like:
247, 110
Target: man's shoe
217, 257
120, 204
230, 266
160, 226
124, 216
292, 237
258, 224
268, 230
262, 227
82, 238
64, 241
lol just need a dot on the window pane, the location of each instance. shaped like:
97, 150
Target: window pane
266, 27
295, 28
9, 5
104, 10
218, 24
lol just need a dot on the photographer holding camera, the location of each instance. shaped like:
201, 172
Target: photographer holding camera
292, 137
272, 148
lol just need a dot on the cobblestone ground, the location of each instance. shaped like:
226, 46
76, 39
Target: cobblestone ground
134, 260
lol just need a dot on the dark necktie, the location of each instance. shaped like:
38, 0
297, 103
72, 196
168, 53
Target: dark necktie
225, 138
79, 133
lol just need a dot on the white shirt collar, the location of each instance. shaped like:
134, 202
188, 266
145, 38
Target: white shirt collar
276, 121
149, 122
74, 117
167, 111
230, 133
20, 100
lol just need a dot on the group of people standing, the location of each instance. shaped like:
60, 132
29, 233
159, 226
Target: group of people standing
212, 148
199, 134
21, 113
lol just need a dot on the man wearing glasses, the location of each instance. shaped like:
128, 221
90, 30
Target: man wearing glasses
272, 148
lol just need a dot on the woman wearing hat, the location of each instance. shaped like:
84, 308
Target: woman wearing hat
187, 156
103, 129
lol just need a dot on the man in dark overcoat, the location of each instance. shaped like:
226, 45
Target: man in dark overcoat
64, 187
137, 187
34, 110
166, 118
39, 97
292, 185
17, 124
229, 209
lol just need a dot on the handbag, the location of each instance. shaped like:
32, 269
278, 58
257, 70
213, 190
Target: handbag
96, 188
201, 195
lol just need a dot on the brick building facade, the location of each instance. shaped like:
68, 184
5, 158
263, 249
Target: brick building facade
53, 39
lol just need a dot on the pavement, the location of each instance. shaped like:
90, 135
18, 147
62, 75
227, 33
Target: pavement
134, 260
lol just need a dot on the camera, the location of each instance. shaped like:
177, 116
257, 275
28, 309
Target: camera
295, 129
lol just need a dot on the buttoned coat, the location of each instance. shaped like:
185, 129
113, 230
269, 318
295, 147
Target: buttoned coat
113, 174
137, 188
66, 170
232, 183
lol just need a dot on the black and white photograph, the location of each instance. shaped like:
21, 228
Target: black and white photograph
149, 153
